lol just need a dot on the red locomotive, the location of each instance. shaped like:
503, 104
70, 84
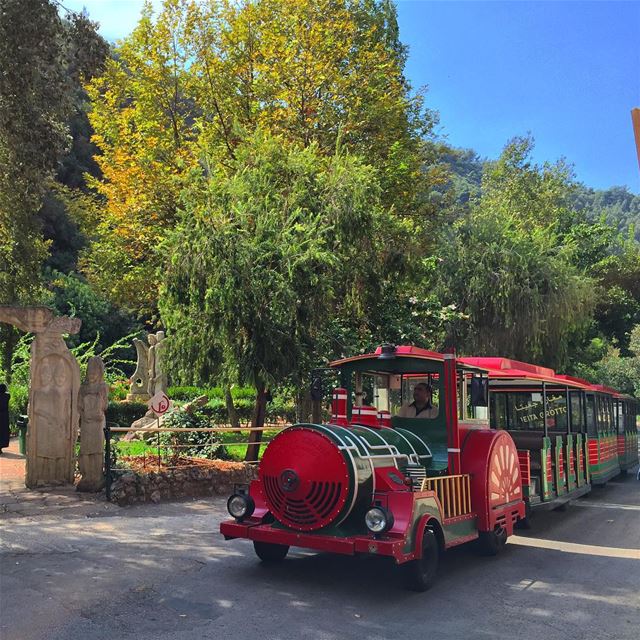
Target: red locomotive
371, 483
378, 480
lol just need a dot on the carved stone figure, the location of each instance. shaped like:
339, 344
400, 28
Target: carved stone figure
92, 402
157, 377
161, 382
53, 394
139, 389
151, 358
151, 363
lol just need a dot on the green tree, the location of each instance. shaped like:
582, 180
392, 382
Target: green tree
509, 270
42, 58
207, 75
620, 372
266, 254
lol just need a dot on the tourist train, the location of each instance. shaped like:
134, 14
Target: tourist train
500, 440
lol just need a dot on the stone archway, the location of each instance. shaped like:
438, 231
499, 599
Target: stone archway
54, 381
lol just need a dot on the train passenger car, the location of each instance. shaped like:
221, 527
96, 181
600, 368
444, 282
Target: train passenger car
373, 482
548, 418
602, 434
626, 410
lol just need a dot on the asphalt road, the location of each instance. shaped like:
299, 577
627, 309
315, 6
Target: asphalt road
160, 572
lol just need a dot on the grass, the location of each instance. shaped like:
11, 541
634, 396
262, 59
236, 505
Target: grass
228, 438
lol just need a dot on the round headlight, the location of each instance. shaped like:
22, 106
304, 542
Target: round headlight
378, 520
240, 506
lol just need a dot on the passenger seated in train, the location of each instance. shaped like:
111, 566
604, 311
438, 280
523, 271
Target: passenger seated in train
422, 405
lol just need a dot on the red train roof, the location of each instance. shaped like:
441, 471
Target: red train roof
403, 351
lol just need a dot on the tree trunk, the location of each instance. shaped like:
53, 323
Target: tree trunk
234, 420
304, 407
255, 437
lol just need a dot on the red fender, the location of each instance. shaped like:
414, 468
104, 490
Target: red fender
491, 458
423, 523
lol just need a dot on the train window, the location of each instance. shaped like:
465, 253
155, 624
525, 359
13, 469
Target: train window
556, 414
498, 410
525, 411
591, 415
467, 410
409, 383
381, 392
618, 416
577, 415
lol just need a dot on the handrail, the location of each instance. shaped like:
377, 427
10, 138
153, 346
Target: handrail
454, 493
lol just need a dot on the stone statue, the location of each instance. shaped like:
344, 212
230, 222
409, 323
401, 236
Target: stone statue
151, 363
157, 377
139, 389
161, 382
53, 395
92, 401
152, 357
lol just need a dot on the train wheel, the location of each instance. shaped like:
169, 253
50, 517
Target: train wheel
268, 552
420, 575
492, 542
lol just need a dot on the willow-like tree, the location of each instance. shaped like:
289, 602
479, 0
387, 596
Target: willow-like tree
265, 253
509, 269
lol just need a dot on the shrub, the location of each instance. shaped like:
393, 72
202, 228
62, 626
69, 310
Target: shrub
119, 390
186, 393
125, 413
281, 409
18, 403
192, 443
216, 409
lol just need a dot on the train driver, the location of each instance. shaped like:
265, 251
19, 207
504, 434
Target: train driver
422, 405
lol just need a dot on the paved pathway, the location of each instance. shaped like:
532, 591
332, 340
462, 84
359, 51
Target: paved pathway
163, 572
16, 500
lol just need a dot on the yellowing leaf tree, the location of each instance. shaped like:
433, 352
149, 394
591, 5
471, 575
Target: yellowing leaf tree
208, 75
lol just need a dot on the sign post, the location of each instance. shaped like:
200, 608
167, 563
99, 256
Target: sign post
159, 404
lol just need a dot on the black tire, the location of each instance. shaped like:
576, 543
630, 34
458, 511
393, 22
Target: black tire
491, 543
420, 575
269, 552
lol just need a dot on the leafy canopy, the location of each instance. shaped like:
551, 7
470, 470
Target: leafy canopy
204, 76
508, 267
260, 259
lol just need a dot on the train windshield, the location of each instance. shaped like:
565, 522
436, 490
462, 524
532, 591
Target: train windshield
396, 393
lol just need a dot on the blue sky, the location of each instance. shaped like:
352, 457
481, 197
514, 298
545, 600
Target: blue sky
566, 72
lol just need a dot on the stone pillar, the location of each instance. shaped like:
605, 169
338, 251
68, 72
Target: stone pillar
92, 402
53, 395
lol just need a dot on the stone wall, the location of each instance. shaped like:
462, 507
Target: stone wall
180, 483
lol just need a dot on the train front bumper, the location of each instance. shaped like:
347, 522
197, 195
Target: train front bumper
386, 545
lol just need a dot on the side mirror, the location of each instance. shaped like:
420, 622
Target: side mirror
479, 391
316, 389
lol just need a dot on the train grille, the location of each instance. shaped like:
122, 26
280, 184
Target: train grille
417, 473
319, 505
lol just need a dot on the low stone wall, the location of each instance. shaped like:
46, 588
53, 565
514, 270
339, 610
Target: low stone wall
180, 483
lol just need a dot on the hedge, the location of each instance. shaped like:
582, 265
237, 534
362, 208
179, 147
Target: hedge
124, 414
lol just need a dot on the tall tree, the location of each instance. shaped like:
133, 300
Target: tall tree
42, 59
207, 75
265, 253
509, 269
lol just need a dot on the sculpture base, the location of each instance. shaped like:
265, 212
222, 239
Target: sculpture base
138, 397
90, 486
